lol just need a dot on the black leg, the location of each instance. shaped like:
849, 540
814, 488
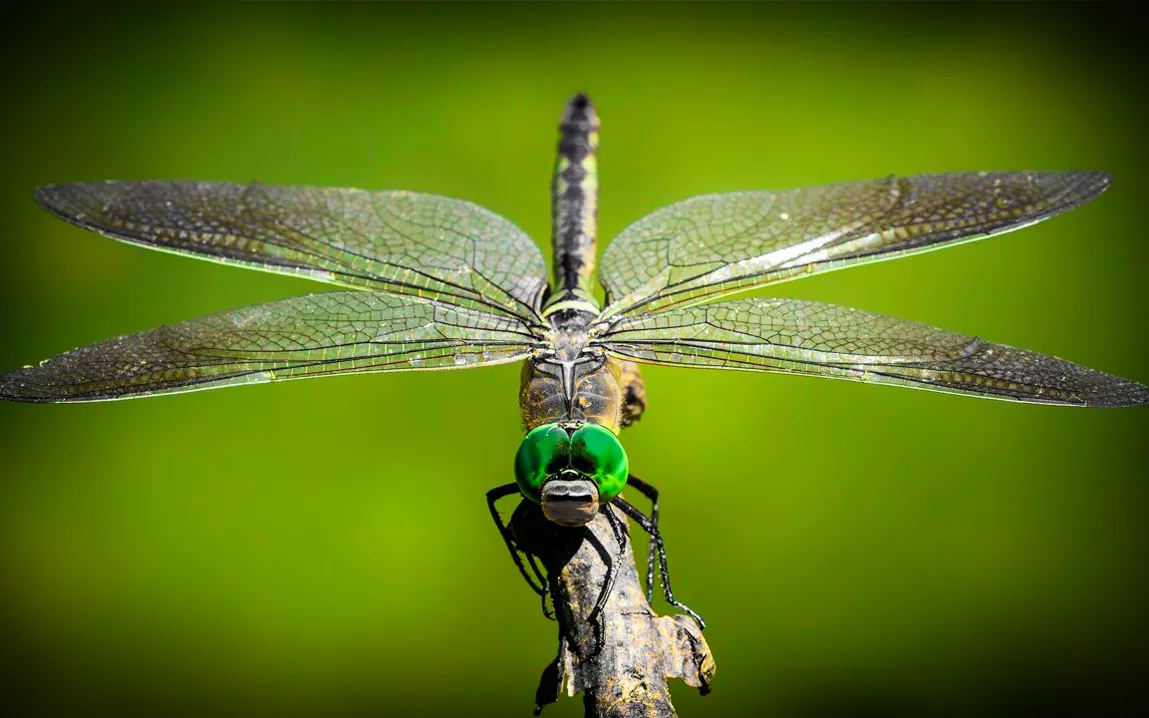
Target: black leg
617, 526
651, 493
543, 580
560, 616
550, 683
540, 587
592, 618
656, 540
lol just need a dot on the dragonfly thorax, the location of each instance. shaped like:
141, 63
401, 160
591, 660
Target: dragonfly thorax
568, 342
570, 468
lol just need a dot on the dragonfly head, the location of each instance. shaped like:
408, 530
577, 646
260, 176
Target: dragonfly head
571, 469
569, 499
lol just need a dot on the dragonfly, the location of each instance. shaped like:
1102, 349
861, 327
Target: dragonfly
429, 283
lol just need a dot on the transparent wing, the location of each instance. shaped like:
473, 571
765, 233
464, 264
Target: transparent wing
397, 242
797, 337
317, 335
709, 246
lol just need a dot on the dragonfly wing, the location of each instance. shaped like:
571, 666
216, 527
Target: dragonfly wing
706, 247
318, 335
397, 242
799, 337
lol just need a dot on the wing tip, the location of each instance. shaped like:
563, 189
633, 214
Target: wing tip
1069, 189
14, 386
74, 200
47, 195
1094, 183
42, 385
1121, 393
62, 199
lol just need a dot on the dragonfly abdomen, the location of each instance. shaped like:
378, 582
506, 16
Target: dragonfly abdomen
574, 191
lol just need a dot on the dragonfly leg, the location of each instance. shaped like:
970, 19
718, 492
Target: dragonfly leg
542, 579
607, 586
617, 526
656, 538
550, 683
541, 586
651, 493
566, 637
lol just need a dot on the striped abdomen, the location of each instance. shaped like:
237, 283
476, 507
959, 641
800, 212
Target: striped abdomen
574, 192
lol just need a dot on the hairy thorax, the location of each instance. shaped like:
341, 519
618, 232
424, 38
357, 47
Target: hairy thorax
581, 384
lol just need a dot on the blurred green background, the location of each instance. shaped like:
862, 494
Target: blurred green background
311, 548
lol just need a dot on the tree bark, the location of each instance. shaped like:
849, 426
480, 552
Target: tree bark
640, 650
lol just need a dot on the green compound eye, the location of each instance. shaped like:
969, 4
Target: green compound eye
596, 452
544, 451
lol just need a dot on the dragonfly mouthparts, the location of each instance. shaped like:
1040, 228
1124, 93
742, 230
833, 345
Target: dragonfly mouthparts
570, 500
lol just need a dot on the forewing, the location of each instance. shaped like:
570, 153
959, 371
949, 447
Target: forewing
705, 247
798, 337
317, 335
398, 242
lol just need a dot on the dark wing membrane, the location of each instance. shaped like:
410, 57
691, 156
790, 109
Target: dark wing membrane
397, 242
797, 337
709, 246
317, 335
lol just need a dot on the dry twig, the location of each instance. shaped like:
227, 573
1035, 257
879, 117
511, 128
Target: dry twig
640, 650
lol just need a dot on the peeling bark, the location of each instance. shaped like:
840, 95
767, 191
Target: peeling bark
641, 650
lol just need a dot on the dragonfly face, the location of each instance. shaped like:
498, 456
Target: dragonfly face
571, 469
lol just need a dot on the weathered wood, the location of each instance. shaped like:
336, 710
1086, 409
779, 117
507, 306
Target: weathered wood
641, 650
